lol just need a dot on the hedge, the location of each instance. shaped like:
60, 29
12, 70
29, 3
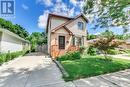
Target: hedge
70, 56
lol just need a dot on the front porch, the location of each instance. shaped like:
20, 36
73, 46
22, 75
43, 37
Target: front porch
63, 40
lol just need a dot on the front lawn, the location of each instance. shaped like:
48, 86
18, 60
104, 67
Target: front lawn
92, 66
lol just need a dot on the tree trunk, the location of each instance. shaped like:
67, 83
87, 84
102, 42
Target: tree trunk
105, 54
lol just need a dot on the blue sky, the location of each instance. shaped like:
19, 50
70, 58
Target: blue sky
32, 14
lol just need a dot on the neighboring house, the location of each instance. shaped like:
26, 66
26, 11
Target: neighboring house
10, 42
126, 45
65, 33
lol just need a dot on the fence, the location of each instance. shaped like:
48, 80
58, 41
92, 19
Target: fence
42, 48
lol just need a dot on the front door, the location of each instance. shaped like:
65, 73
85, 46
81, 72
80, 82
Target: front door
61, 42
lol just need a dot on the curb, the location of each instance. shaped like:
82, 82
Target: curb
64, 73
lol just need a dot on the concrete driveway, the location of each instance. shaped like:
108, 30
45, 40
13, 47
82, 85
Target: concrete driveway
33, 70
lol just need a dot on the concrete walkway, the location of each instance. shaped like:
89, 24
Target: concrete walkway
34, 70
118, 79
38, 70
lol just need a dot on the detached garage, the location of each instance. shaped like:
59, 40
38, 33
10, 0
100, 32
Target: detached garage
10, 42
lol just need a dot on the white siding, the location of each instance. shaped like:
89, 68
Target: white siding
55, 21
61, 31
73, 27
10, 43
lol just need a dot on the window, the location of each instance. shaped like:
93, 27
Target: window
80, 25
73, 41
79, 41
61, 42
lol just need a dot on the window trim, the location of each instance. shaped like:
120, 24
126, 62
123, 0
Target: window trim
73, 41
60, 44
80, 24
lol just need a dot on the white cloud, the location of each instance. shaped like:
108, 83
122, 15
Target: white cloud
81, 4
60, 8
98, 33
43, 19
78, 3
74, 2
58, 0
45, 2
25, 7
71, 12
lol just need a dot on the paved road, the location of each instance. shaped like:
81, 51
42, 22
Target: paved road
38, 70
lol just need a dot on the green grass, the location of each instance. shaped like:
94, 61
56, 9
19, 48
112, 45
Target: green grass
92, 66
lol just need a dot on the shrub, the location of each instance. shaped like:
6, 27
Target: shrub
127, 51
5, 57
81, 49
70, 56
122, 51
33, 50
112, 51
2, 58
91, 50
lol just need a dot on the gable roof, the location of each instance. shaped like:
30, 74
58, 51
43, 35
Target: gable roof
69, 21
83, 16
65, 29
55, 15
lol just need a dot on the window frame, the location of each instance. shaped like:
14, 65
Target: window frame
61, 47
80, 25
73, 41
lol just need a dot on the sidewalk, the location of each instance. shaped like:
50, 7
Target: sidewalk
122, 56
118, 79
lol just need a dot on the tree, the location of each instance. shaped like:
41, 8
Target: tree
91, 36
43, 39
15, 28
105, 42
37, 38
108, 13
120, 37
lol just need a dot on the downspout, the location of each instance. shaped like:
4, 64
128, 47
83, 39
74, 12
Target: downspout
50, 37
1, 34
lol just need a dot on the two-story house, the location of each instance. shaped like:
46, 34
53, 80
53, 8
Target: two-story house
65, 33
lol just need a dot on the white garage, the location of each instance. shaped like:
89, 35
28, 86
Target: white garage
10, 42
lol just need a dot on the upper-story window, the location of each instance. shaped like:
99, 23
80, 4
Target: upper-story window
80, 25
